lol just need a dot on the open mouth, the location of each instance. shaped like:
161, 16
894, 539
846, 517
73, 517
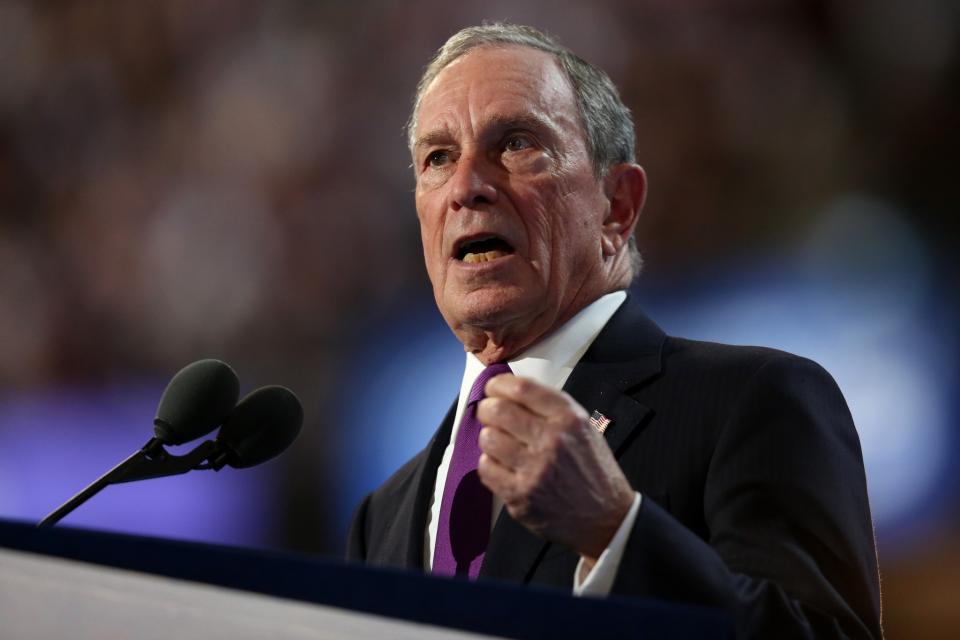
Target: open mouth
483, 249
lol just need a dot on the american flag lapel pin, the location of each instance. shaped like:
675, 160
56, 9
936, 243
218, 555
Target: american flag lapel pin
599, 421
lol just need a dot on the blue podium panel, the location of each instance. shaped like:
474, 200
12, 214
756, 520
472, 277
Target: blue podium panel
492, 609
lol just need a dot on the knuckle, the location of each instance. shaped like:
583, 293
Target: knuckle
523, 386
551, 443
484, 407
495, 407
575, 408
538, 476
518, 508
524, 487
568, 441
571, 428
563, 419
487, 438
485, 470
571, 421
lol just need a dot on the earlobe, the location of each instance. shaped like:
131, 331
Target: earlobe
609, 245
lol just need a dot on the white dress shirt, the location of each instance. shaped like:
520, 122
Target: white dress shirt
549, 362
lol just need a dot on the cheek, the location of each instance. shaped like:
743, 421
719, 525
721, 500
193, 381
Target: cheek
537, 224
535, 201
433, 253
584, 204
547, 219
568, 231
430, 217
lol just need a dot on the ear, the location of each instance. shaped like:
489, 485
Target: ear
625, 186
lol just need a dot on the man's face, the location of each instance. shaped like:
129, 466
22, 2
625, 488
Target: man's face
510, 209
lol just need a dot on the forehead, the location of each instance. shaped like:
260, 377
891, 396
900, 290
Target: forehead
496, 81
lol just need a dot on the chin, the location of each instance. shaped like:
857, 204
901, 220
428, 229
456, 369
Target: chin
488, 308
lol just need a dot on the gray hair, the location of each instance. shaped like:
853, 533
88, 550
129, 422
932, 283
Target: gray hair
606, 121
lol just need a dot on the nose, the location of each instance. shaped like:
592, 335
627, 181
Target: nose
472, 184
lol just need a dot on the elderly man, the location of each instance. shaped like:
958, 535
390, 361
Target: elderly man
587, 449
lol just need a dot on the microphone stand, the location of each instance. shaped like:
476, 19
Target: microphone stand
151, 461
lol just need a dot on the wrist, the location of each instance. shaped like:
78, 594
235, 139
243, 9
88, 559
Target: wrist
606, 529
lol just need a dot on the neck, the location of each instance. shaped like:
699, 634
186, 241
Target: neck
506, 342
507, 339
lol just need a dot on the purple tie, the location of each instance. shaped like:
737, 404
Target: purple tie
464, 527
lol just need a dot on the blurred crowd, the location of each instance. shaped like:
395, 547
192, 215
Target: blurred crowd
185, 179
230, 176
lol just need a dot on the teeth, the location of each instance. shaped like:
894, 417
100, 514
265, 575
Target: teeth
473, 258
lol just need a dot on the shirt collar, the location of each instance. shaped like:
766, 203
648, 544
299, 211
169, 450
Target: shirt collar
551, 360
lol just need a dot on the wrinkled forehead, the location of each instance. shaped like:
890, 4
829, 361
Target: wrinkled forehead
494, 78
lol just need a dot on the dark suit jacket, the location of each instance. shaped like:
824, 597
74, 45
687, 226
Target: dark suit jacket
754, 495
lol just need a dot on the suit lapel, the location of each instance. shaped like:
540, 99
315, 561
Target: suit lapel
407, 548
624, 355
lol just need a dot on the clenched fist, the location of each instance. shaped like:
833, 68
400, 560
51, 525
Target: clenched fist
553, 470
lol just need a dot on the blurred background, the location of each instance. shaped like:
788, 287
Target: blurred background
184, 179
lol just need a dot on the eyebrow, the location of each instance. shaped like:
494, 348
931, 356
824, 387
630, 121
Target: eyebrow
497, 124
430, 139
525, 121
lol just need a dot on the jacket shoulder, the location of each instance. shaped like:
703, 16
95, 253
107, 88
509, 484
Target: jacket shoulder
735, 363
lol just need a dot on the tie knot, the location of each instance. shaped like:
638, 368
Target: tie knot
477, 391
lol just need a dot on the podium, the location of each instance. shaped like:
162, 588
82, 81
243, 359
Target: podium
72, 583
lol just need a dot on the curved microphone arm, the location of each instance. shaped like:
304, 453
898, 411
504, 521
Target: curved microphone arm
151, 461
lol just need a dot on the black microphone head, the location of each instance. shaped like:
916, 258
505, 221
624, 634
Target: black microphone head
197, 400
266, 422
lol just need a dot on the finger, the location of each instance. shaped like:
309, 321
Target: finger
537, 398
503, 447
511, 417
496, 477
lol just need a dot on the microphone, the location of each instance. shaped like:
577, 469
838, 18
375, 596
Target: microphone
197, 400
263, 425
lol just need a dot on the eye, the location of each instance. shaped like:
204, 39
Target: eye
517, 142
438, 158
